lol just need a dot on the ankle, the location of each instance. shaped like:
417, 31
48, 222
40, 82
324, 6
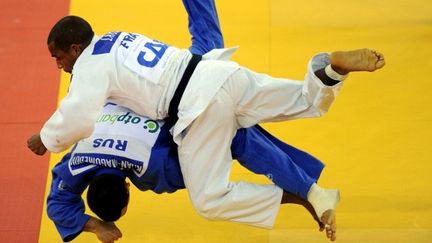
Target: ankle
335, 62
339, 70
322, 199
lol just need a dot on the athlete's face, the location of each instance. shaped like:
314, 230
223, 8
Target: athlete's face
65, 59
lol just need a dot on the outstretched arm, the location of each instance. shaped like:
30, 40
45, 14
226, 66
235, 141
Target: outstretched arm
289, 168
203, 26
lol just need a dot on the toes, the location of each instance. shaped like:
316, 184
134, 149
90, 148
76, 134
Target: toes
330, 233
380, 63
379, 60
380, 56
329, 218
333, 237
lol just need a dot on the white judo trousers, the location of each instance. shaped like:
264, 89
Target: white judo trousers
245, 99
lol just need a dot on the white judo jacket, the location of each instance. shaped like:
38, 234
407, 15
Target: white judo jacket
136, 72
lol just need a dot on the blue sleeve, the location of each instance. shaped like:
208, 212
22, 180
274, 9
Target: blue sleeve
203, 26
66, 209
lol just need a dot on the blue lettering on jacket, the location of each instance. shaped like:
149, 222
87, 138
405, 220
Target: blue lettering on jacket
81, 160
110, 143
104, 44
128, 39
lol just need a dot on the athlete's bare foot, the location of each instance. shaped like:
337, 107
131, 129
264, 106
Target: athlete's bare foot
324, 202
344, 62
329, 220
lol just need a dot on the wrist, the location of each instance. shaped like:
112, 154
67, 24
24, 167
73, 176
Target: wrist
91, 225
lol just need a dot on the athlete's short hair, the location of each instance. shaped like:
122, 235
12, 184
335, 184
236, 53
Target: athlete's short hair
107, 195
70, 30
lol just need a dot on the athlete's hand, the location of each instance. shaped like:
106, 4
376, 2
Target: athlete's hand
106, 232
34, 143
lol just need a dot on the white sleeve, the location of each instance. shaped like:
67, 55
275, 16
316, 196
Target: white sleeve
76, 116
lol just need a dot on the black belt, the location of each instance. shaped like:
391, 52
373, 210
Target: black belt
175, 101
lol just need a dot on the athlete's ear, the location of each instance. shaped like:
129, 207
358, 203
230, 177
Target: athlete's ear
77, 49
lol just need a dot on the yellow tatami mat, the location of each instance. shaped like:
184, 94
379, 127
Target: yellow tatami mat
375, 140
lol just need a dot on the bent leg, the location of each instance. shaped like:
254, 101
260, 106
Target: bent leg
264, 154
205, 161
